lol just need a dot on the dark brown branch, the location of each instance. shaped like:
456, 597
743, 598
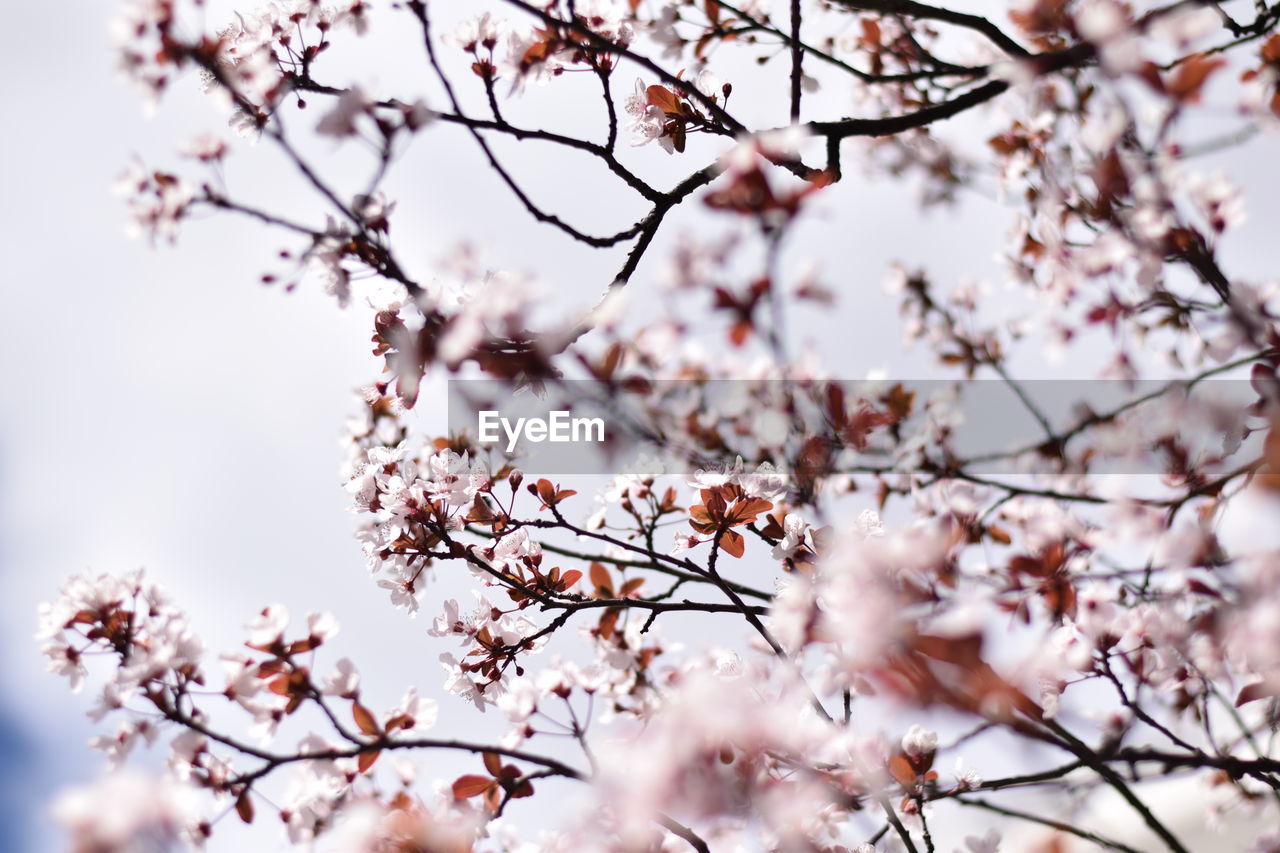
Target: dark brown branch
1066, 740
419, 11
650, 565
650, 224
612, 140
274, 760
1061, 826
731, 125
515, 132
912, 9
676, 828
797, 58
897, 124
896, 823
835, 61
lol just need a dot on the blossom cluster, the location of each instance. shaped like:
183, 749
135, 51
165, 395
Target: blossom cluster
812, 619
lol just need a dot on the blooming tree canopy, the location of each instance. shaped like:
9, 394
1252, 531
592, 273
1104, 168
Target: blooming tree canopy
879, 610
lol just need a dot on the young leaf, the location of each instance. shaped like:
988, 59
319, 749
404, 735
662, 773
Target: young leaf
630, 586
471, 786
602, 581
364, 719
366, 760
732, 543
900, 769
244, 807
664, 99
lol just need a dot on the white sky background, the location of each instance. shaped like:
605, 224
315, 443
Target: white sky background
162, 409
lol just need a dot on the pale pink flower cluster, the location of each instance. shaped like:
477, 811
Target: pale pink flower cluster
395, 494
127, 811
157, 201
833, 661
718, 742
160, 638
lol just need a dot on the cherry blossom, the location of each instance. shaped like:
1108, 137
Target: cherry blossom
798, 599
126, 811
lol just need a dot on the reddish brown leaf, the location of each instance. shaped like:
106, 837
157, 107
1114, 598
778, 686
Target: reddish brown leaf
1271, 50
244, 807
602, 581
773, 527
546, 491
400, 721
664, 99
480, 513
471, 786
746, 511
608, 622
1191, 76
732, 543
1253, 692
900, 769
364, 719
870, 33
677, 132
1150, 74
630, 586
